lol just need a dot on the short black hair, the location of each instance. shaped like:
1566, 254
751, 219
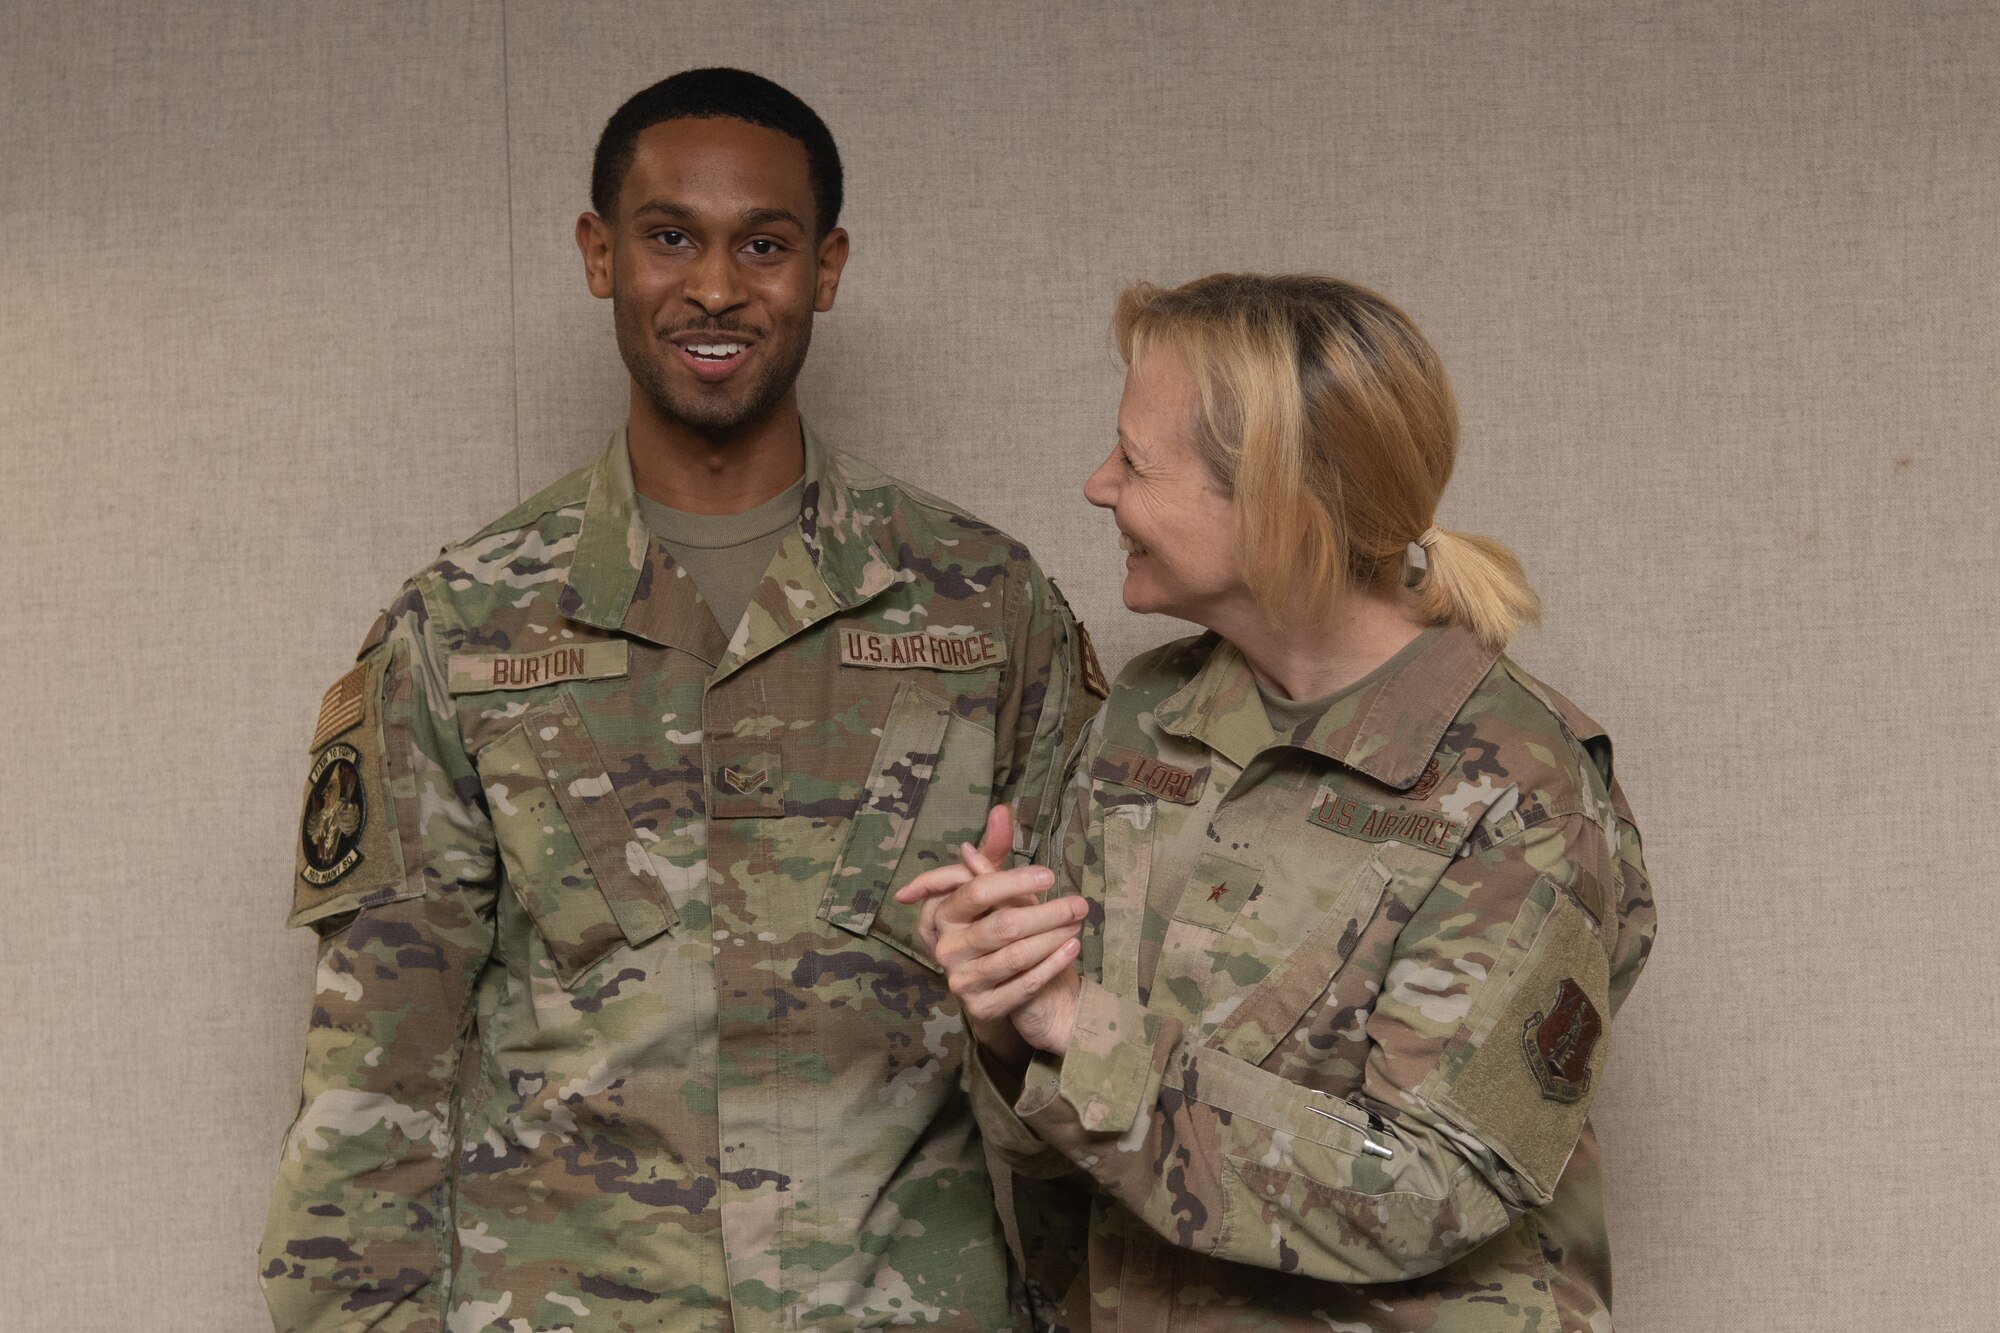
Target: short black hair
706, 94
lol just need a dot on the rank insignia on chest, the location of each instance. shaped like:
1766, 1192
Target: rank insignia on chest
336, 813
1558, 1042
1217, 892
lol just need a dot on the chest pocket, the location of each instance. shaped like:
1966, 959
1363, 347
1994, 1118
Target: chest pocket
1311, 949
1308, 938
1124, 871
571, 854
926, 792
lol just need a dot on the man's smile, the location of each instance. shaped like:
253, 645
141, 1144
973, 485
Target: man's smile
712, 356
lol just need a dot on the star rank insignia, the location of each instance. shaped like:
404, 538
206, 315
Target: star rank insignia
1216, 892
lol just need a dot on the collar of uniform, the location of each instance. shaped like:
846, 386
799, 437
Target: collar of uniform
1219, 706
1394, 725
837, 537
841, 529
830, 562
1388, 729
610, 547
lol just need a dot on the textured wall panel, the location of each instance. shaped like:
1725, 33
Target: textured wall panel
254, 365
1717, 288
1715, 282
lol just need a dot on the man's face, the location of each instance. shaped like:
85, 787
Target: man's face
713, 271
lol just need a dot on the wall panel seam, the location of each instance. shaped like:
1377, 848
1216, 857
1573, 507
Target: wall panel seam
513, 266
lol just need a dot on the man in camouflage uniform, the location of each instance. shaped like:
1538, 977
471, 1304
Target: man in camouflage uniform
1348, 977
616, 1024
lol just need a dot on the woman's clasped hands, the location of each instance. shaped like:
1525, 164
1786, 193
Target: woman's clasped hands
1008, 953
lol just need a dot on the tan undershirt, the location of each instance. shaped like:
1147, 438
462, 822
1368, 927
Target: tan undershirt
726, 554
1287, 715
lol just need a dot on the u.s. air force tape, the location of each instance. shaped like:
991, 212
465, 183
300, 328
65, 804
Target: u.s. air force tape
934, 650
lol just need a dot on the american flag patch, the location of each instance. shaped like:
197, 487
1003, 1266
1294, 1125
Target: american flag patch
1086, 656
342, 706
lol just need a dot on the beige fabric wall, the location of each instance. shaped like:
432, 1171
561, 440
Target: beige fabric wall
287, 298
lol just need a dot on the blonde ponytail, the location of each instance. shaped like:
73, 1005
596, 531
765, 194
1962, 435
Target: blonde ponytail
1476, 583
1328, 419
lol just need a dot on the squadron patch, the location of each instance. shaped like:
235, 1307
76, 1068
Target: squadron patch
336, 813
1558, 1042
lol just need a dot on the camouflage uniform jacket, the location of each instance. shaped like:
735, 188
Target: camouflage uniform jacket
617, 1025
1345, 1005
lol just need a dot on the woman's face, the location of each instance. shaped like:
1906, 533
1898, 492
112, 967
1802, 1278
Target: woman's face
1175, 524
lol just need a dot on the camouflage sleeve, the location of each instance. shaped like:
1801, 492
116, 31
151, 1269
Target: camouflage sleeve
1053, 693
1637, 922
1484, 1045
1050, 1197
397, 874
1066, 852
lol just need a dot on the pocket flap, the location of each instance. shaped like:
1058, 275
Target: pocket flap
575, 860
912, 736
1270, 1011
590, 802
545, 863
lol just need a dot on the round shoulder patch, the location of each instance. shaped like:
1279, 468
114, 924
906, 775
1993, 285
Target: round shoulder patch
336, 812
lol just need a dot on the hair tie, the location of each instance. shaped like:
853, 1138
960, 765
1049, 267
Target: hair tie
1431, 534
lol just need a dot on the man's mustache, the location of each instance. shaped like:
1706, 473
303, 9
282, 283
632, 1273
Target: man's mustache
716, 330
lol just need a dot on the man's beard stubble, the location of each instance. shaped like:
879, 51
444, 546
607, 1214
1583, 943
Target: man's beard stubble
722, 411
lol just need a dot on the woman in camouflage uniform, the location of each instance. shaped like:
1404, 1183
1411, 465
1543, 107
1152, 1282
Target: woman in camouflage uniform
1345, 901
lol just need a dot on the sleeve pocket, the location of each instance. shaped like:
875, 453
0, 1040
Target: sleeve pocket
1526, 1083
1265, 1101
574, 860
